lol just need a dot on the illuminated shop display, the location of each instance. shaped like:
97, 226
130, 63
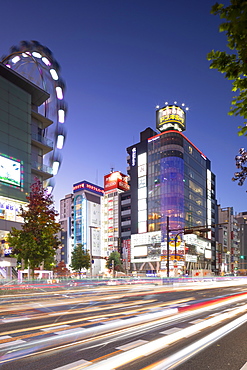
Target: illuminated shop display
146, 247
11, 171
10, 209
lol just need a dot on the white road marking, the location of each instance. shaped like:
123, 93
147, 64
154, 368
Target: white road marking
7, 344
130, 345
70, 331
171, 330
54, 327
13, 319
73, 365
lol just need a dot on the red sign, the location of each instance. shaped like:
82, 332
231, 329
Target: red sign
116, 180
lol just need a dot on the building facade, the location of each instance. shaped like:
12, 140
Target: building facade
86, 222
242, 237
115, 184
228, 237
172, 188
66, 209
22, 146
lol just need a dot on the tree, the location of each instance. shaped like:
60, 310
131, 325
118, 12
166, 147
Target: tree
37, 240
234, 65
241, 160
79, 259
61, 270
114, 256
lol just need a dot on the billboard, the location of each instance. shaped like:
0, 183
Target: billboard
10, 171
116, 180
84, 185
170, 117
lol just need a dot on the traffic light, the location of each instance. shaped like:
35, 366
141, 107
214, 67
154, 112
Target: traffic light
243, 257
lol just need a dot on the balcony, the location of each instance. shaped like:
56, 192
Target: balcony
42, 170
46, 145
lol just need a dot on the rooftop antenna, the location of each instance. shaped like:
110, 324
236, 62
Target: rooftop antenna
96, 180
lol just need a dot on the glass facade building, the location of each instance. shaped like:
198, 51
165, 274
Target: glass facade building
177, 183
171, 188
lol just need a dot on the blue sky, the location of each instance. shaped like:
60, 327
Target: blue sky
121, 58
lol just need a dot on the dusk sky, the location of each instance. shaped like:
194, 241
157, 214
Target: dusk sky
121, 58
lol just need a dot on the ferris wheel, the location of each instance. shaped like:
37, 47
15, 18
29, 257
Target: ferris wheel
36, 63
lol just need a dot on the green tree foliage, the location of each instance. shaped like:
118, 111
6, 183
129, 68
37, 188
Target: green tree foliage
37, 240
114, 256
234, 65
79, 259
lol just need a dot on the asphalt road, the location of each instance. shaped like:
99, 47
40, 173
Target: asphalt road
125, 327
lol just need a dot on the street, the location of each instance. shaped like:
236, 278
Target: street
191, 326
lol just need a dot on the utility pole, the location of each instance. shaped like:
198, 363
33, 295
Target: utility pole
112, 262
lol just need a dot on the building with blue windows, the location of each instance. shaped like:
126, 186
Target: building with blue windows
172, 189
86, 222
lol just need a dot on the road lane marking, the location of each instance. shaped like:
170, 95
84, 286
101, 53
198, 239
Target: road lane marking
13, 319
55, 327
70, 331
73, 365
112, 321
171, 330
18, 341
244, 367
130, 345
158, 344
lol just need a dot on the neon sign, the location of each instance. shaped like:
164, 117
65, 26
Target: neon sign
84, 185
169, 117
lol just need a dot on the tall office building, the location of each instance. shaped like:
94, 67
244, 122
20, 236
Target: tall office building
66, 208
172, 188
242, 239
22, 146
228, 237
86, 222
115, 184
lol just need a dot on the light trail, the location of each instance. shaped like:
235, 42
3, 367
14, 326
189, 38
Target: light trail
121, 359
135, 325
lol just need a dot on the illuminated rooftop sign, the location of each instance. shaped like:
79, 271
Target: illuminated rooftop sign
170, 117
84, 185
116, 180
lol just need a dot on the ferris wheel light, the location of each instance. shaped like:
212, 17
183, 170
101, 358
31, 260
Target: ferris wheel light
60, 141
61, 115
59, 92
49, 189
21, 59
54, 74
16, 59
46, 61
55, 167
36, 54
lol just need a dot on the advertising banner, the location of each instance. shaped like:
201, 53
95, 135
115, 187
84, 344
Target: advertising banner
116, 180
